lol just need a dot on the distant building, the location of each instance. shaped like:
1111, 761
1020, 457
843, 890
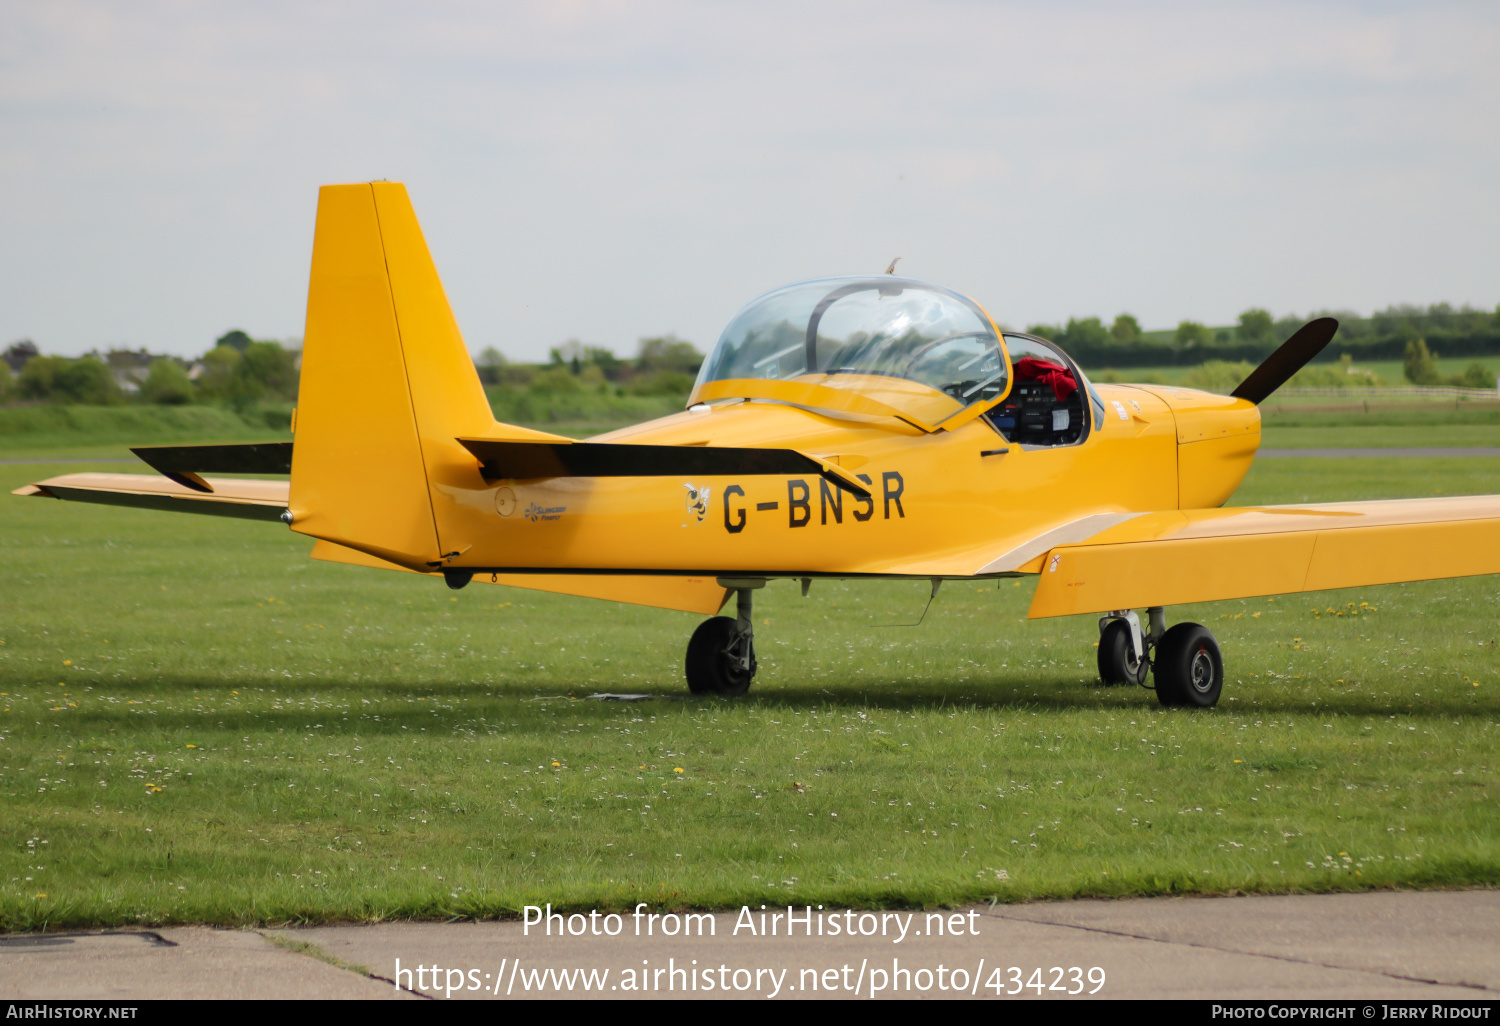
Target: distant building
18, 353
128, 367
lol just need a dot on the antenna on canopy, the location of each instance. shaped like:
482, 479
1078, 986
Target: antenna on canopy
892, 269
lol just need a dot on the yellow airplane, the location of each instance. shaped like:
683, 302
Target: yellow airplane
861, 427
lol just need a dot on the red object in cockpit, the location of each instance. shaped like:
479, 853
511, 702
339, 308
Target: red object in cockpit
1048, 373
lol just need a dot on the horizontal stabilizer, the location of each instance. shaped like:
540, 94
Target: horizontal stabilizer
183, 463
503, 459
224, 497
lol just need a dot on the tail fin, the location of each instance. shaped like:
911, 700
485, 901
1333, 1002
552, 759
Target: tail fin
387, 383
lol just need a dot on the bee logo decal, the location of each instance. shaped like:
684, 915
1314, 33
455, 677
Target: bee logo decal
697, 500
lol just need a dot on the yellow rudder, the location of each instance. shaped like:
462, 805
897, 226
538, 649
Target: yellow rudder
357, 475
388, 386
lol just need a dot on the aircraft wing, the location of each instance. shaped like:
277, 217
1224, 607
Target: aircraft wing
1131, 561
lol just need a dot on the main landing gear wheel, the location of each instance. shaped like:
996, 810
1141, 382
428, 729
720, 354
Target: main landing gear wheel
1118, 663
1189, 669
720, 658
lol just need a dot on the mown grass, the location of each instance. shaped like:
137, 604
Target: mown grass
201, 725
43, 430
46, 426
1381, 436
1414, 415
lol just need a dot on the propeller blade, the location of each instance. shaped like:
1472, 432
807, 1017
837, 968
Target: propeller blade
1308, 342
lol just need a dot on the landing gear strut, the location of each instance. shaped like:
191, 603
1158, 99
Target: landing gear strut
721, 652
1185, 660
1125, 649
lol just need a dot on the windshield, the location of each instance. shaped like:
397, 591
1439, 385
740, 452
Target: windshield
914, 346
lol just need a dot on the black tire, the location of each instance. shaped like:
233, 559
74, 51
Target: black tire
1117, 661
1189, 669
711, 669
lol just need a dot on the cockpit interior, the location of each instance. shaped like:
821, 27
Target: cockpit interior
1047, 405
916, 348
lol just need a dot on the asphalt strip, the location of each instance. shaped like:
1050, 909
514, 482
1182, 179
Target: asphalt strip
1381, 945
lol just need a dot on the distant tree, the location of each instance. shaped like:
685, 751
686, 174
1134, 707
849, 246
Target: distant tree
1048, 331
569, 351
1470, 320
1286, 327
555, 380
39, 376
1418, 364
18, 353
1351, 324
612, 367
1191, 333
167, 384
1126, 330
517, 374
1402, 320
490, 364
7, 381
1475, 375
1088, 331
1256, 325
236, 340
265, 371
592, 378
216, 380
668, 353
662, 382
60, 379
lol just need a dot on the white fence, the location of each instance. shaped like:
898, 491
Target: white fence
1399, 391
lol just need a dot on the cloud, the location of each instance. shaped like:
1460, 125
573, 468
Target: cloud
606, 171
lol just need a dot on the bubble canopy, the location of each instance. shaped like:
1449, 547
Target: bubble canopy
916, 347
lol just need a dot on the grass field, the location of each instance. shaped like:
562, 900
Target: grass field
1381, 436
200, 724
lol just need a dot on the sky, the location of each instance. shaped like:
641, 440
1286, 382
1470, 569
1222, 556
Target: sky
608, 171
